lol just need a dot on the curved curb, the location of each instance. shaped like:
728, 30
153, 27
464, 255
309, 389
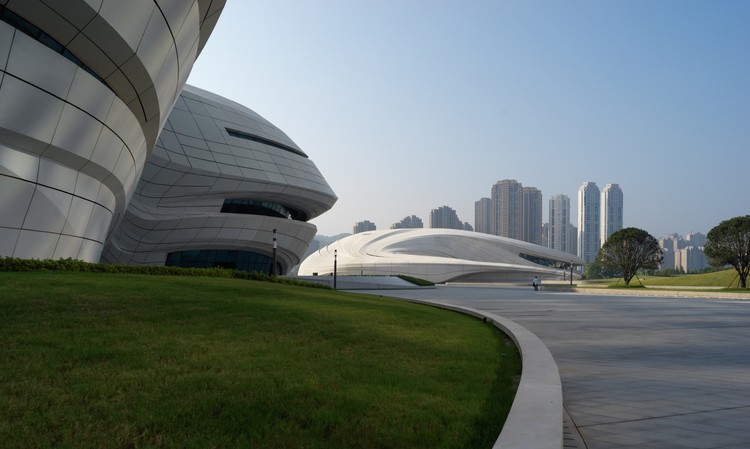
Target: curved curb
536, 416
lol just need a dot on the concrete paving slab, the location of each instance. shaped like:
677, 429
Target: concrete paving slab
639, 372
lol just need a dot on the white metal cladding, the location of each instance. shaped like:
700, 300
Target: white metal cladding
74, 137
436, 255
197, 165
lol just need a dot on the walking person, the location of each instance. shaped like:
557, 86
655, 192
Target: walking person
535, 283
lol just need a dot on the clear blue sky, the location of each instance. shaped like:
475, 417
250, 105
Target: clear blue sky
406, 106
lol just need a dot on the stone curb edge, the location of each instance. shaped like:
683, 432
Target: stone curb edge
536, 416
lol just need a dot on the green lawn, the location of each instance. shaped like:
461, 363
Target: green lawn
723, 278
98, 360
726, 279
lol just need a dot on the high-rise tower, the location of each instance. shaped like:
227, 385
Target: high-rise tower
507, 206
411, 222
559, 222
531, 218
446, 218
611, 218
483, 216
363, 226
588, 221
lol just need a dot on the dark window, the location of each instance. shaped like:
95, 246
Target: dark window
232, 259
254, 138
265, 208
552, 263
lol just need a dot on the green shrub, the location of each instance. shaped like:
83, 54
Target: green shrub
16, 264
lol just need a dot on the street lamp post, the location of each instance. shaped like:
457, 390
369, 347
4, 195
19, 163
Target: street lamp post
334, 267
571, 273
273, 257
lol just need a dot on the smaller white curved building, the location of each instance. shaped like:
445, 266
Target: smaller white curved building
439, 255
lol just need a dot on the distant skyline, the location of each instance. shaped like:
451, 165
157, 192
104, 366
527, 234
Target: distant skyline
410, 106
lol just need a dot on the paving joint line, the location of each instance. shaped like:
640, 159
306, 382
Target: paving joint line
572, 438
664, 416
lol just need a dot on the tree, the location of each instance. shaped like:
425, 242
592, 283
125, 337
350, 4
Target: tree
728, 243
629, 250
594, 270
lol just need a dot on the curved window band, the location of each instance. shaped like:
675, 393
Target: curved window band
539, 260
33, 31
265, 208
221, 258
263, 140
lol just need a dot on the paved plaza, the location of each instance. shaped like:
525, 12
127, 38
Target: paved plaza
637, 372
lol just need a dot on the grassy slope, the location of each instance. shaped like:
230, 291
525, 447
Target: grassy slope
725, 278
118, 361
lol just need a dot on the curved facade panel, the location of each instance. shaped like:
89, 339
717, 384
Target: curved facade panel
439, 255
84, 92
221, 178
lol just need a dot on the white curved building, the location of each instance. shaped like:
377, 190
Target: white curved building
85, 88
221, 179
438, 255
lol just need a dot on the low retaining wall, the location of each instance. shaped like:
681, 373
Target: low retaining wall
662, 291
362, 282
